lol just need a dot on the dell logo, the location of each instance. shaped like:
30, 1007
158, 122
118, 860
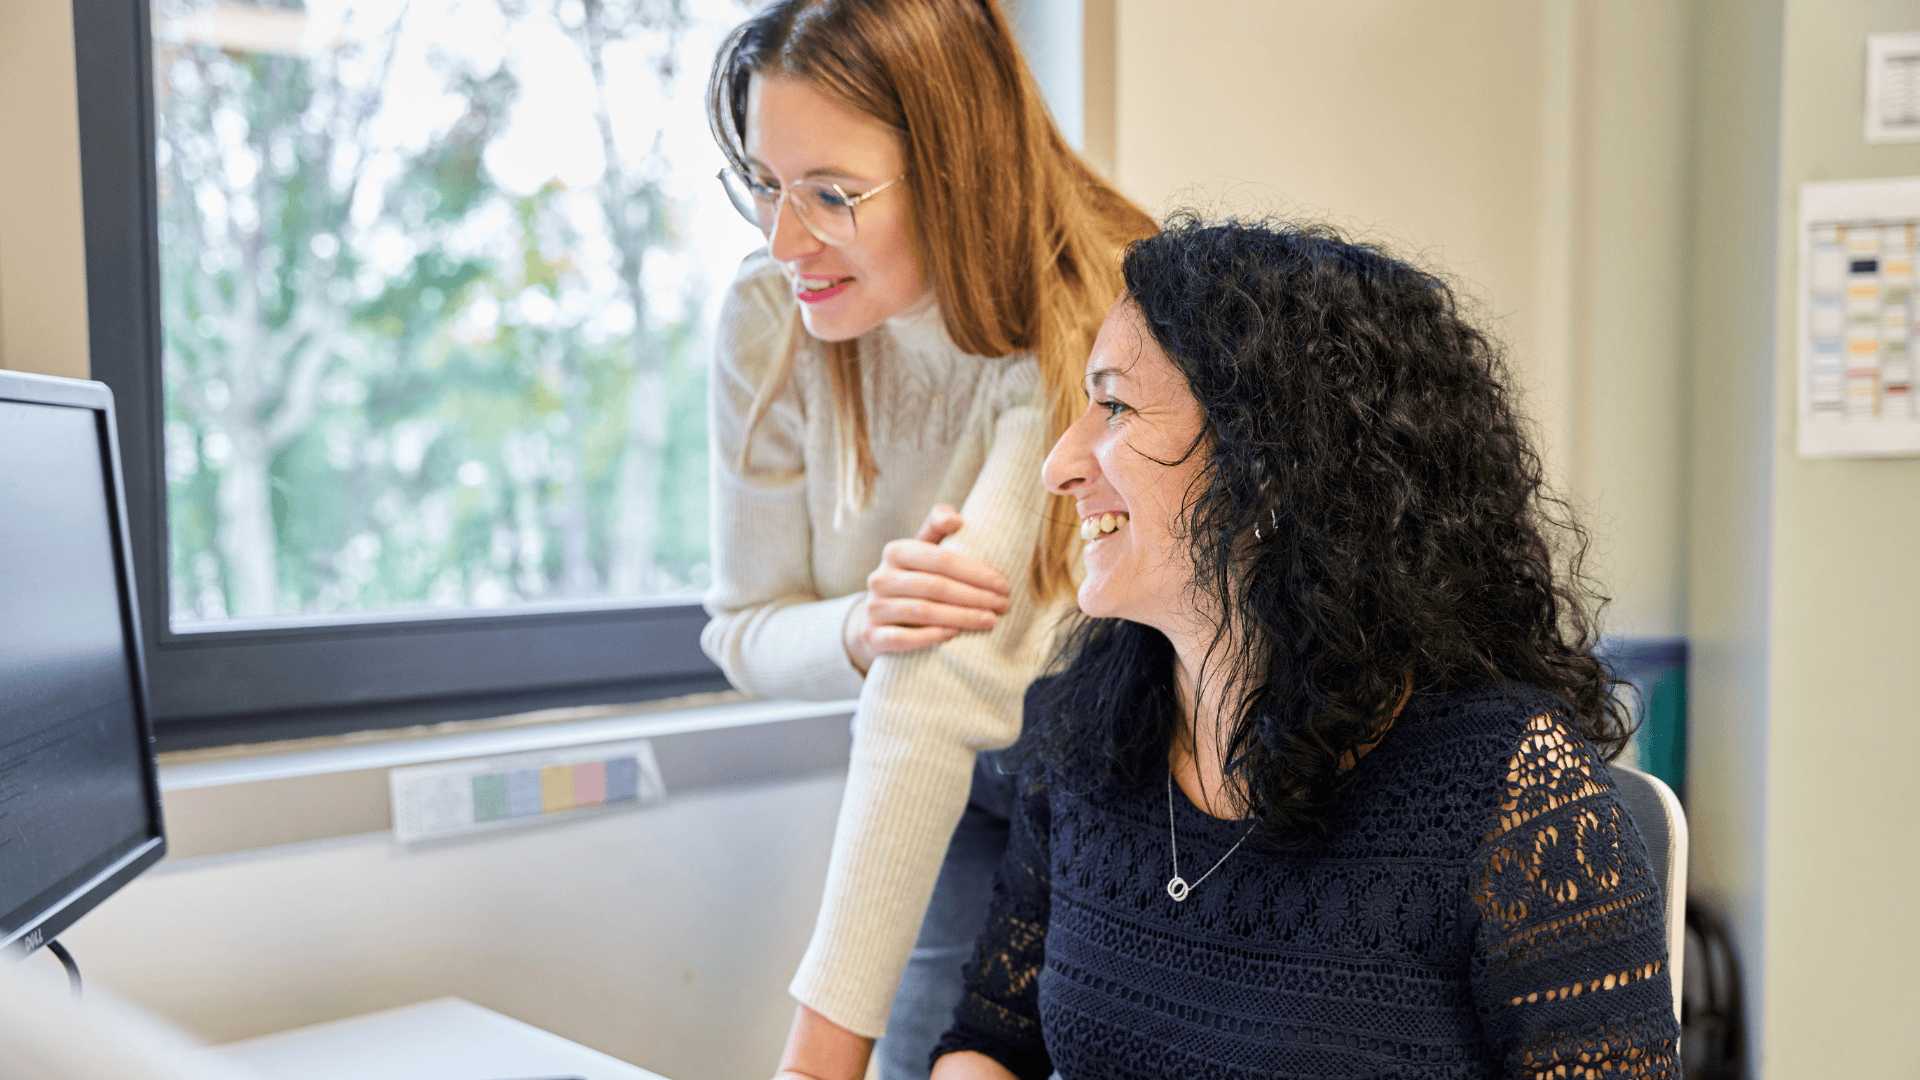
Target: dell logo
32, 940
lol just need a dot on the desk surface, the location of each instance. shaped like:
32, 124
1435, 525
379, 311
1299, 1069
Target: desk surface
445, 1039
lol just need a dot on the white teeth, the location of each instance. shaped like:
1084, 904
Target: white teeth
1095, 527
816, 284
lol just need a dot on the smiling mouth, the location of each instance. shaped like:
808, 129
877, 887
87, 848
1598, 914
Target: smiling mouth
807, 285
1094, 528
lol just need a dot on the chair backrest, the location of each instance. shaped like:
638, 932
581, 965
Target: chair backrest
1663, 825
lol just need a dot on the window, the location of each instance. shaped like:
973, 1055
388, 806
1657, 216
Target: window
403, 307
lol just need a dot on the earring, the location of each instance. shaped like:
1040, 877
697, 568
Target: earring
1273, 517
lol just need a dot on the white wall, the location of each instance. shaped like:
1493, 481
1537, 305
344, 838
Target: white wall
663, 935
1051, 36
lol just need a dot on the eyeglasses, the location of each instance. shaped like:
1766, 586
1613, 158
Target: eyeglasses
824, 209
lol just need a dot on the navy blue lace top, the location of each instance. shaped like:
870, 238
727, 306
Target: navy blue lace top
1480, 906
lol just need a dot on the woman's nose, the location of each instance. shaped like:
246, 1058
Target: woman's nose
790, 239
1070, 463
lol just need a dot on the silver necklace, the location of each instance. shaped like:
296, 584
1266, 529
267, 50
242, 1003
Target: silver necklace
1177, 886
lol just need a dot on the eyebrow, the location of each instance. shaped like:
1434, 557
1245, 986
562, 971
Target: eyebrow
835, 171
1101, 375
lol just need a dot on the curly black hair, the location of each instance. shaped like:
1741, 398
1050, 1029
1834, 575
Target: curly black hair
1371, 511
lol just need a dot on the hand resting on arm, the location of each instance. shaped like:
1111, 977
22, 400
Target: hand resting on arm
922, 594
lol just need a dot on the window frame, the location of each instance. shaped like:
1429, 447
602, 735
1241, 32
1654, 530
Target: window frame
289, 678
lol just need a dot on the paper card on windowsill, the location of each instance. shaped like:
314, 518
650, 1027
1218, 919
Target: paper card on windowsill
453, 798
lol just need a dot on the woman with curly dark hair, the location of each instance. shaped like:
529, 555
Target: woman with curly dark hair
1320, 789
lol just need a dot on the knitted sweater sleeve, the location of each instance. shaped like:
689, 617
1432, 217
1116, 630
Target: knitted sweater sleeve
1570, 959
770, 631
923, 717
999, 1014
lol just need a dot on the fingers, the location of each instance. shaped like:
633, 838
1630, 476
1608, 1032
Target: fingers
922, 594
928, 558
942, 521
913, 611
899, 639
890, 584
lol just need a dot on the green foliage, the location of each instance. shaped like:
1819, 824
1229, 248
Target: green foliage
463, 441
682, 550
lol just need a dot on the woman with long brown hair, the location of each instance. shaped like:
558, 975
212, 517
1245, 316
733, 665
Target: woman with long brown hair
938, 262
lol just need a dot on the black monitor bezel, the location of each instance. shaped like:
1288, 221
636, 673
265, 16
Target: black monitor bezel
60, 904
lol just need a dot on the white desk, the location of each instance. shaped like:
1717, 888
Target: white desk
446, 1039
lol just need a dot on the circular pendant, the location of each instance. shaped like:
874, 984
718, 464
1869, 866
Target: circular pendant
1177, 888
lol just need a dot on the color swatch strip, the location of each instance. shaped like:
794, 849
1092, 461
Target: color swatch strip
431, 801
554, 789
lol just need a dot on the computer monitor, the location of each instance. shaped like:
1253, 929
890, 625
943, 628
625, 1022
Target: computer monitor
79, 795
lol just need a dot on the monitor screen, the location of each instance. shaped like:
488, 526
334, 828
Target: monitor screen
79, 805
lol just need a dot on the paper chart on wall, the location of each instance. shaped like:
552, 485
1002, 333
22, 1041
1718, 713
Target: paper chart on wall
1858, 342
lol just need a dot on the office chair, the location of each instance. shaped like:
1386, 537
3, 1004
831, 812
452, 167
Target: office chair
1663, 825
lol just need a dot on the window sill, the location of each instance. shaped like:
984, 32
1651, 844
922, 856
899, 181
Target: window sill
235, 799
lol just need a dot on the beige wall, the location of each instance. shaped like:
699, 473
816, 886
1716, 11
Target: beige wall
1533, 150
43, 286
1804, 593
1627, 320
1845, 640
1733, 205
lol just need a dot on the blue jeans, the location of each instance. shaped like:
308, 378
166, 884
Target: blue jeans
930, 989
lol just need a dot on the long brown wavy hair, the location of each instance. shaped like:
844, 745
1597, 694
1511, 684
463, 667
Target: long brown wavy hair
1021, 237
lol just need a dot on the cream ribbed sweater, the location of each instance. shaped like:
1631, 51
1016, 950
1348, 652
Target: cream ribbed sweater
944, 427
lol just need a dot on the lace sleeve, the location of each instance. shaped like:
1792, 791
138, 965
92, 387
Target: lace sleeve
999, 1015
1570, 962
